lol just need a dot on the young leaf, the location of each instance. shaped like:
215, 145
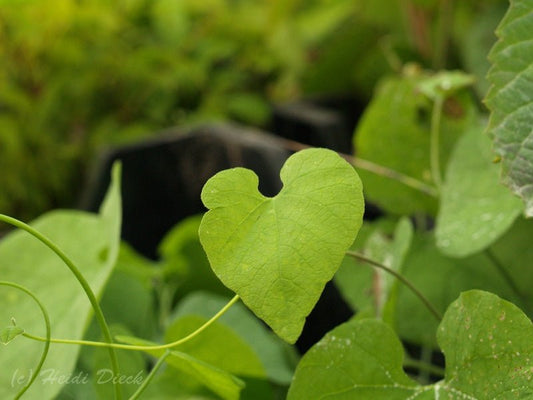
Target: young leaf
278, 253
444, 83
9, 333
510, 99
92, 241
486, 341
475, 209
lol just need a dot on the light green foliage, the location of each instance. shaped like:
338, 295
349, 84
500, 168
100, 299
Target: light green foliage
486, 342
510, 99
444, 84
9, 333
218, 381
278, 253
184, 262
92, 242
514, 252
474, 209
83, 74
132, 369
218, 346
441, 279
394, 132
274, 354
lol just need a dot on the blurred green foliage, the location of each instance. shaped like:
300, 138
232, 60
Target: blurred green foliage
76, 75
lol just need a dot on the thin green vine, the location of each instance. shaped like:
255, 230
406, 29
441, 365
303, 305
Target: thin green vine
375, 169
150, 376
85, 285
137, 347
436, 116
402, 279
46, 318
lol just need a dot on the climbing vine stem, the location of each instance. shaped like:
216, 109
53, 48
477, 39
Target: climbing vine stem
44, 353
401, 278
139, 347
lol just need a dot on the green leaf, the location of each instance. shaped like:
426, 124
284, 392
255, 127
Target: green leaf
475, 209
218, 346
274, 354
9, 333
510, 99
444, 83
168, 385
360, 359
394, 132
486, 342
184, 261
132, 369
514, 252
92, 242
278, 253
487, 345
220, 382
441, 279
354, 279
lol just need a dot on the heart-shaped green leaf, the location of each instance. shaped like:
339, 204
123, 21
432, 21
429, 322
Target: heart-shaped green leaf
278, 253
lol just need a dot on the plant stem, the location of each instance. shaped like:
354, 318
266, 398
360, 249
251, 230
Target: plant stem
150, 376
142, 348
376, 169
401, 278
85, 285
442, 35
506, 276
46, 339
436, 115
423, 366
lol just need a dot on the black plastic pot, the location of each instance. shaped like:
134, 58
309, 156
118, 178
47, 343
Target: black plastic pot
320, 122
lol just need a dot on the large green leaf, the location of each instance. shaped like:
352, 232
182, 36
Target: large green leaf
394, 132
92, 242
278, 253
486, 342
510, 99
474, 209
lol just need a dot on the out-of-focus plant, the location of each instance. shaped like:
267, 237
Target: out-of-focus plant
77, 75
